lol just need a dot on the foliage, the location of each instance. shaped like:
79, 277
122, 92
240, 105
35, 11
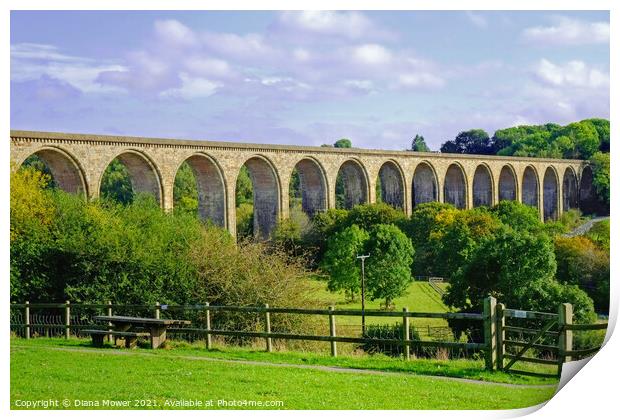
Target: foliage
116, 183
518, 216
341, 262
601, 175
343, 144
388, 267
444, 237
185, 191
475, 141
418, 144
390, 331
368, 215
244, 191
245, 221
599, 234
584, 136
580, 262
516, 267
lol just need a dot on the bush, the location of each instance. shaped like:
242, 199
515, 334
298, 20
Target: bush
390, 331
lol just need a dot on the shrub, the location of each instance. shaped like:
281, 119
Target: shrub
389, 331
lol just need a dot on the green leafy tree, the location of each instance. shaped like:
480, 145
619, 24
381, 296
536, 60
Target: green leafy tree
585, 137
185, 192
419, 145
340, 260
474, 141
601, 175
116, 183
244, 190
518, 216
602, 129
581, 263
389, 264
343, 144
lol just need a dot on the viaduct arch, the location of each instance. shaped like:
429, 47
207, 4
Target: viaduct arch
408, 179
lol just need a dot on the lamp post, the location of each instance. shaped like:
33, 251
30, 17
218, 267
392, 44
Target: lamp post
363, 258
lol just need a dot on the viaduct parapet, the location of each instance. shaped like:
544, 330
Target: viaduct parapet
78, 161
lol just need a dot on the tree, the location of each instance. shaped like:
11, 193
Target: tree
601, 172
518, 216
116, 183
584, 136
340, 260
512, 266
388, 267
475, 141
602, 129
343, 144
185, 190
244, 191
581, 263
419, 145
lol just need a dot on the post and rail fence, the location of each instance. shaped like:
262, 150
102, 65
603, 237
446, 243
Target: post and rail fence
503, 328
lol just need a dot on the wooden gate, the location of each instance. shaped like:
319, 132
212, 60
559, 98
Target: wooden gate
549, 337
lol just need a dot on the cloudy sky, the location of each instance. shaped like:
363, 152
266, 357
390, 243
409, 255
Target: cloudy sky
306, 78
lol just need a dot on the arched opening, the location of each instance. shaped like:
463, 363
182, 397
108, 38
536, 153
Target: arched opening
63, 170
483, 187
424, 184
550, 194
307, 188
128, 174
529, 190
507, 184
570, 192
199, 189
391, 188
587, 194
351, 185
455, 188
264, 195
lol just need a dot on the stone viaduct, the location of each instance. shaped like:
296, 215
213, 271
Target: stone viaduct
78, 161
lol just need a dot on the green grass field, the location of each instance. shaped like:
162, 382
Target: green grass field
420, 297
43, 369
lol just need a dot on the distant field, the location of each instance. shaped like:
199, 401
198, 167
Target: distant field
43, 369
420, 297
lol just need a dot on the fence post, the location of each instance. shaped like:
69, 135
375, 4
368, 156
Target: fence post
156, 310
67, 319
110, 337
332, 331
405, 334
267, 328
27, 320
490, 336
565, 343
501, 335
208, 325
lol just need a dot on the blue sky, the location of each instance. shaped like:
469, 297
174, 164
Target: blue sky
307, 78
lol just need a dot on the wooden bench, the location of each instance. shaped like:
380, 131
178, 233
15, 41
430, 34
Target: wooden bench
130, 337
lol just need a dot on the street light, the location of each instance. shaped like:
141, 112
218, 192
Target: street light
363, 258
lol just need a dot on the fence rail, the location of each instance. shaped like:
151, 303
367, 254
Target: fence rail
66, 319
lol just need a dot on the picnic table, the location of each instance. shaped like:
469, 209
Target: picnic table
130, 328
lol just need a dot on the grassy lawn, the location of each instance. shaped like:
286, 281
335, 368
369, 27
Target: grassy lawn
420, 297
39, 371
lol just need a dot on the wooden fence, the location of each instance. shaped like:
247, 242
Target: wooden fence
493, 321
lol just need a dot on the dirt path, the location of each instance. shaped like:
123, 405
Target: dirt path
289, 365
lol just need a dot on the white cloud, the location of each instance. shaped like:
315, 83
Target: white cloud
35, 61
207, 66
352, 25
571, 74
477, 19
191, 88
420, 80
372, 54
174, 32
567, 31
